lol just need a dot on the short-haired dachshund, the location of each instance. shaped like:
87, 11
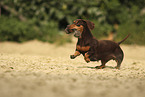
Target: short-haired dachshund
93, 49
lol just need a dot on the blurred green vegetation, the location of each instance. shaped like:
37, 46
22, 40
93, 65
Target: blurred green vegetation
45, 20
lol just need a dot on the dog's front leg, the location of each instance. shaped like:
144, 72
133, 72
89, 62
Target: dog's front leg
86, 57
77, 53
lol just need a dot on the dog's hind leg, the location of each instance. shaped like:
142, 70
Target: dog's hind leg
102, 65
119, 61
119, 58
105, 60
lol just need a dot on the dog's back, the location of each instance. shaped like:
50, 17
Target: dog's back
106, 46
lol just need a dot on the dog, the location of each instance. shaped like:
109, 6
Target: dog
91, 48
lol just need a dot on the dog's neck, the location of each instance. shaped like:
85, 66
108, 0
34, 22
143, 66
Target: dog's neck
86, 37
86, 34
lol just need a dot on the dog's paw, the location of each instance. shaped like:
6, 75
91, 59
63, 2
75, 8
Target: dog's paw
87, 60
117, 68
72, 56
100, 67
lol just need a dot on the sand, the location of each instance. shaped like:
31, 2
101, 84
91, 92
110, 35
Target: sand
37, 69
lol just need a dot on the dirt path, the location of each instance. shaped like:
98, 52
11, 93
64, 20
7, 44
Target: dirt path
36, 69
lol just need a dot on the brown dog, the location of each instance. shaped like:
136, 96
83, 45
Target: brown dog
91, 48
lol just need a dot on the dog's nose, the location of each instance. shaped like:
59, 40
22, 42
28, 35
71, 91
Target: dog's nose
66, 30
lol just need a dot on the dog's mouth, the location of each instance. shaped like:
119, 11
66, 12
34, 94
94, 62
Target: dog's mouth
76, 33
67, 31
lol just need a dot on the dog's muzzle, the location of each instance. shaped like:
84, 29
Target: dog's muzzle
75, 31
67, 30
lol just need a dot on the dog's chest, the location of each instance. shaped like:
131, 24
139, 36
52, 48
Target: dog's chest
83, 48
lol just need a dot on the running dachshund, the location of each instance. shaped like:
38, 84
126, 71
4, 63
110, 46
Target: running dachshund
91, 48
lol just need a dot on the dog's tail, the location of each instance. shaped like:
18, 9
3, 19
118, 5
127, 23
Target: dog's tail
124, 39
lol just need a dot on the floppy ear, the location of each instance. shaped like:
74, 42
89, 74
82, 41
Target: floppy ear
90, 24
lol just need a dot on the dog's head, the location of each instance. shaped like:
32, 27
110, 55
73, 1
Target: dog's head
78, 26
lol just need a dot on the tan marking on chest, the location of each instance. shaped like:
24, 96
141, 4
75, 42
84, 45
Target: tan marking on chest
83, 48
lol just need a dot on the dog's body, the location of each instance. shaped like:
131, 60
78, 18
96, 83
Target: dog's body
91, 48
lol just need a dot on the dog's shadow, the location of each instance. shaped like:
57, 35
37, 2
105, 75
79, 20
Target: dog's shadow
96, 67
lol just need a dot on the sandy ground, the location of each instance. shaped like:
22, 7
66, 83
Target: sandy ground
36, 69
